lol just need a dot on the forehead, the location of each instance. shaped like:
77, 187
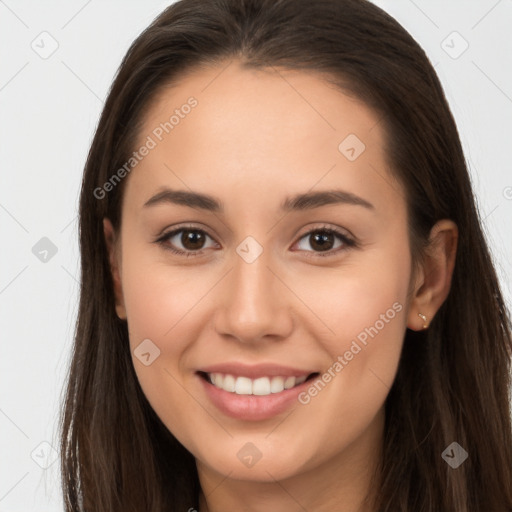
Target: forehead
260, 131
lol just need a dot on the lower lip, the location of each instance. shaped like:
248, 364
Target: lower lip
252, 407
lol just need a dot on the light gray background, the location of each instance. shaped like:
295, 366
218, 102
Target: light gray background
49, 108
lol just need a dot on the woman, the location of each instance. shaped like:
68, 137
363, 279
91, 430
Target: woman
287, 301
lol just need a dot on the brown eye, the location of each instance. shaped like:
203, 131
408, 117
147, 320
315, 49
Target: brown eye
323, 240
186, 241
192, 240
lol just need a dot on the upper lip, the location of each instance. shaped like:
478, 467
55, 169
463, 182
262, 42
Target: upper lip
255, 371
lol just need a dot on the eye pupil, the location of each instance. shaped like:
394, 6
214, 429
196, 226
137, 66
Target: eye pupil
194, 237
320, 240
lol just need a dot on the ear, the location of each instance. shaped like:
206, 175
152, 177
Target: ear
112, 242
434, 279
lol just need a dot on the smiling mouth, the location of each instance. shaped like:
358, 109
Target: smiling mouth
262, 386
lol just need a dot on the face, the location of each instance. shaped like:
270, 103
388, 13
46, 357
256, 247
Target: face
259, 296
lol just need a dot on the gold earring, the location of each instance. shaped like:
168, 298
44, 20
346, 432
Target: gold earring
424, 318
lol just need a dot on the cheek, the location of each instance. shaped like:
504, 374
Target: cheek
363, 300
343, 402
365, 311
158, 298
159, 303
160, 306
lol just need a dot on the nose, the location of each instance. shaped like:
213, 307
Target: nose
254, 302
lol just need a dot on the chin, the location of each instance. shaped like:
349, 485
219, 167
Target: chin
259, 460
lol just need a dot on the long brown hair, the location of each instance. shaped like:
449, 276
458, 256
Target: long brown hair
453, 380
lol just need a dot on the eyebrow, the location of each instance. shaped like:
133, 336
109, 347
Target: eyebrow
299, 202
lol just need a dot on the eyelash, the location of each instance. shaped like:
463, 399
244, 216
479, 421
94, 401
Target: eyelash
348, 242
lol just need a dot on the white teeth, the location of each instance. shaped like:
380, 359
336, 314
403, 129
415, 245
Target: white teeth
277, 384
243, 386
289, 383
261, 386
229, 383
217, 379
300, 380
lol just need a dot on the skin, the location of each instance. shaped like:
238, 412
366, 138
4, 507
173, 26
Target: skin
255, 138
